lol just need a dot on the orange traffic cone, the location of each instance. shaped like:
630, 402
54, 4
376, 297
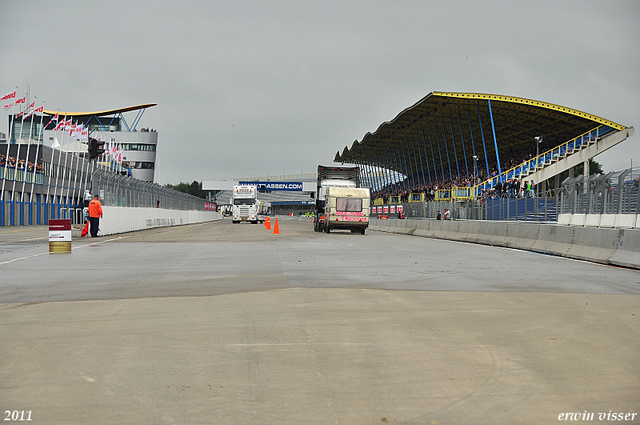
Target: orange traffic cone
276, 229
267, 223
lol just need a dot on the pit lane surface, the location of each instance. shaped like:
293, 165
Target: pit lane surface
222, 323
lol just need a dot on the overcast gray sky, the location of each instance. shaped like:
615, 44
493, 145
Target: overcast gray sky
271, 87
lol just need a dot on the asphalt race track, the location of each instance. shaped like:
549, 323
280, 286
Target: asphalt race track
230, 324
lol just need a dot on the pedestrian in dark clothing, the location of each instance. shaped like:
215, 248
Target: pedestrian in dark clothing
95, 213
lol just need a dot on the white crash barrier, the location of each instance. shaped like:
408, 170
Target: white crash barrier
123, 219
605, 245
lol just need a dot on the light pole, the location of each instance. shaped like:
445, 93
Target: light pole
538, 140
475, 167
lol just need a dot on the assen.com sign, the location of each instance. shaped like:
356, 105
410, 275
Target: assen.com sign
286, 186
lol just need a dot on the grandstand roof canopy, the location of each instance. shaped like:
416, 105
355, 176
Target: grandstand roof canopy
102, 113
456, 123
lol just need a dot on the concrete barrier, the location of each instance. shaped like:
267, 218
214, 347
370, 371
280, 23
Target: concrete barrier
449, 230
123, 219
468, 230
522, 235
596, 245
564, 219
592, 220
627, 253
625, 221
577, 219
492, 233
608, 220
423, 228
553, 239
603, 245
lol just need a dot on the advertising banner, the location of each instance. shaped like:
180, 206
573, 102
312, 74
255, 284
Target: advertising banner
281, 186
59, 236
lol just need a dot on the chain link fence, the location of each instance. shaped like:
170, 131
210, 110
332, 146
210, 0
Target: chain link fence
121, 191
611, 193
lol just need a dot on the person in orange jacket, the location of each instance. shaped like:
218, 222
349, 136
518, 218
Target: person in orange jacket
95, 213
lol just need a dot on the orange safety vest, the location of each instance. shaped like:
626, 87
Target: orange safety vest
95, 209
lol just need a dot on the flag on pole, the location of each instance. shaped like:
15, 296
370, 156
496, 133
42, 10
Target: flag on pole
117, 153
23, 100
9, 96
55, 118
31, 112
27, 109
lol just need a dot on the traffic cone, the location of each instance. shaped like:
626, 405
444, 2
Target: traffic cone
276, 229
267, 223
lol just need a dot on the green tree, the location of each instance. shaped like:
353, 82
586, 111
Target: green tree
578, 170
193, 188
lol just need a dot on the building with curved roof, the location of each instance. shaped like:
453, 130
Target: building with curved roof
139, 145
450, 138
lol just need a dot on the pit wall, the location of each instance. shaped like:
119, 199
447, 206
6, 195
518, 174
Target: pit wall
619, 247
122, 219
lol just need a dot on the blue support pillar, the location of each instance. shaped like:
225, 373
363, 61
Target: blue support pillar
393, 168
383, 165
399, 168
407, 160
374, 169
444, 179
38, 209
495, 140
484, 146
371, 182
403, 167
464, 151
415, 157
376, 177
473, 145
406, 168
421, 161
435, 167
426, 156
453, 141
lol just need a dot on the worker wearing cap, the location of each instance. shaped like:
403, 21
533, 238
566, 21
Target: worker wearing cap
95, 213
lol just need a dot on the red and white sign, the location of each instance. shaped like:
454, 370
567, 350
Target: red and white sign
59, 230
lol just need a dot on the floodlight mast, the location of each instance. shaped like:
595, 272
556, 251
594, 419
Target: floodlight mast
475, 167
538, 140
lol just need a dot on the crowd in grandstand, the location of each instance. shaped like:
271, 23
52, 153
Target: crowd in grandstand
513, 188
10, 162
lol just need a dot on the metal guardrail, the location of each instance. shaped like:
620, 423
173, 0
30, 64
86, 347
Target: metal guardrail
122, 191
612, 193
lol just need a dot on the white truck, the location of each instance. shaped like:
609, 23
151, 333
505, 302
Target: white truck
340, 201
245, 204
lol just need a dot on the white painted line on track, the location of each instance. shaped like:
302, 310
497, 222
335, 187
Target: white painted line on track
72, 248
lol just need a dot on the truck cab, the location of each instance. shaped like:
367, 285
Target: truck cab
245, 204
